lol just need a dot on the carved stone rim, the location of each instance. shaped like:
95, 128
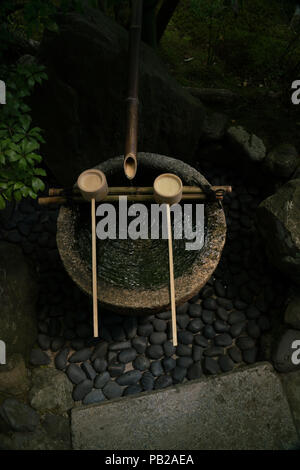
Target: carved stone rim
146, 301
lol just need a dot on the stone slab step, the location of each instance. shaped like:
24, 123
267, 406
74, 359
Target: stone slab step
243, 409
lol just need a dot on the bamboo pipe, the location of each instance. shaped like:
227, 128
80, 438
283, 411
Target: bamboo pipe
130, 158
124, 190
171, 277
44, 201
94, 269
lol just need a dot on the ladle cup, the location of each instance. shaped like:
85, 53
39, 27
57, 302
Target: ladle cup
167, 189
93, 187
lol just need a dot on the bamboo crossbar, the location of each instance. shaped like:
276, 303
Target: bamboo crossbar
131, 190
115, 198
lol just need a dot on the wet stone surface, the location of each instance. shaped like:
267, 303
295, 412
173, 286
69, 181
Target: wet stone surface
218, 330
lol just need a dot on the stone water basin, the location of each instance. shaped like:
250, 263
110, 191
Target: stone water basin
133, 275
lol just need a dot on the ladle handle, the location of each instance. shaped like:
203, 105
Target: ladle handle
130, 155
94, 269
172, 284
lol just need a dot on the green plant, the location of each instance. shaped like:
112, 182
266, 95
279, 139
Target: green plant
214, 14
19, 141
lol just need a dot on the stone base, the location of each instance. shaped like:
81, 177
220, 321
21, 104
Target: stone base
244, 409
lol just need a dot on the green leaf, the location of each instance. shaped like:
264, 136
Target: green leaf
22, 164
40, 172
32, 194
30, 146
8, 194
41, 139
17, 137
53, 27
25, 108
35, 131
3, 133
34, 156
12, 155
18, 185
24, 191
30, 82
2, 202
25, 121
17, 195
37, 184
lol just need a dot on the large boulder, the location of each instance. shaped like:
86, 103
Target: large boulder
251, 146
82, 105
214, 127
14, 376
18, 294
279, 222
291, 383
51, 390
19, 416
292, 313
282, 161
214, 96
287, 352
36, 440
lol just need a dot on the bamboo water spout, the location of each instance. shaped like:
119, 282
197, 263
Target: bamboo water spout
130, 158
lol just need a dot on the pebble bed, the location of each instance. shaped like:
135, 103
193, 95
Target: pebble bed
218, 330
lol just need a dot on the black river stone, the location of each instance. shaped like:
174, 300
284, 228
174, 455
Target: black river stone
116, 369
127, 355
185, 337
80, 356
147, 381
156, 368
158, 337
223, 339
163, 381
179, 373
245, 342
101, 380
155, 351
169, 349
61, 359
82, 389
75, 374
225, 363
112, 390
139, 343
141, 363
129, 378
100, 364
201, 341
194, 371
195, 325
89, 370
100, 350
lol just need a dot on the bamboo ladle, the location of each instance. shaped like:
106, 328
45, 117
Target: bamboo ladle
167, 189
93, 187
